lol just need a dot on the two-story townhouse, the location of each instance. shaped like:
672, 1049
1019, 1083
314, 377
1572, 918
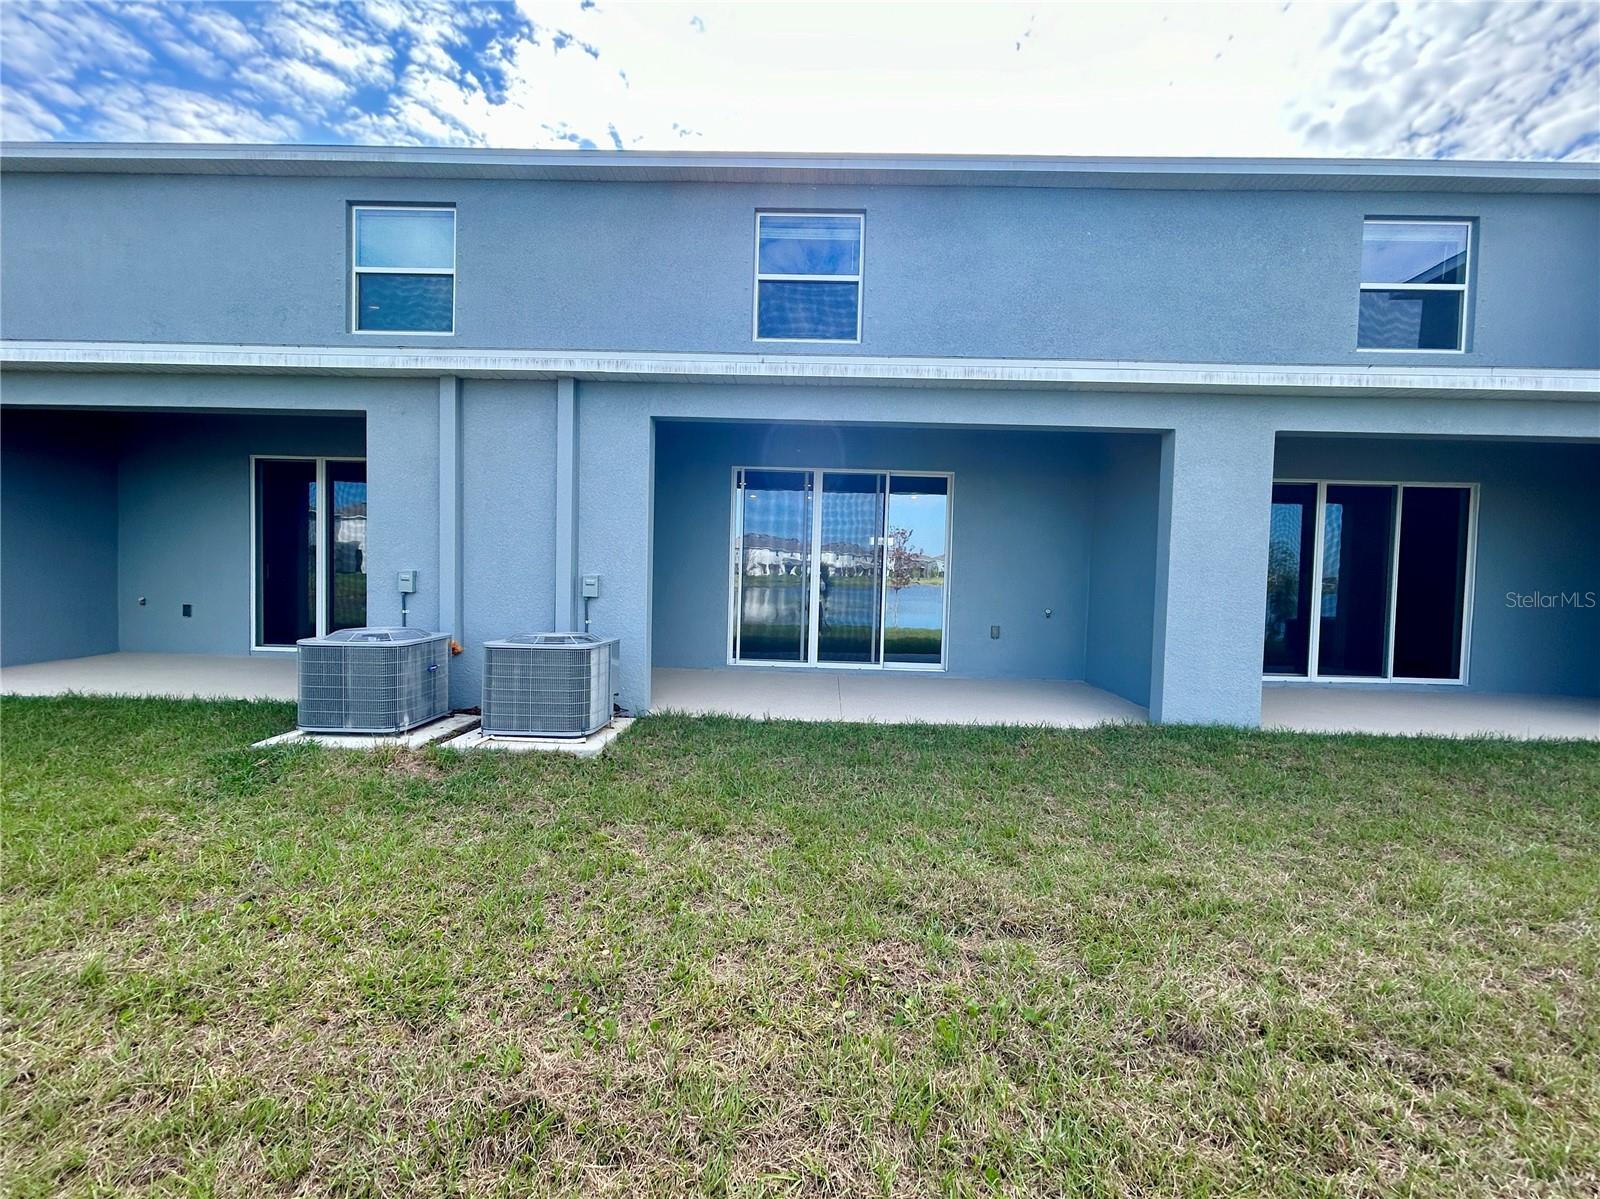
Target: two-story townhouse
1178, 430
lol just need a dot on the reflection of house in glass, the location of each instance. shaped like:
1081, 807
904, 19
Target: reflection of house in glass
849, 560
349, 527
917, 565
765, 554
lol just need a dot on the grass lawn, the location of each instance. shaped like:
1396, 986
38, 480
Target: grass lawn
743, 959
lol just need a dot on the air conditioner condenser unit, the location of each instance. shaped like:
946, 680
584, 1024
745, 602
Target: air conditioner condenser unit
549, 684
373, 680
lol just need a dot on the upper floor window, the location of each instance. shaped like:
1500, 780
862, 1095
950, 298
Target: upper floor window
404, 268
1414, 285
808, 276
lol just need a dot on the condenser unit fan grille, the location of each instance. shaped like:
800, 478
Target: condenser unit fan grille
373, 680
548, 685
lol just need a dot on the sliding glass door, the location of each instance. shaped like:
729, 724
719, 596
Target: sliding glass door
773, 547
286, 551
1291, 550
918, 537
1353, 629
839, 568
1368, 581
310, 531
1431, 582
850, 569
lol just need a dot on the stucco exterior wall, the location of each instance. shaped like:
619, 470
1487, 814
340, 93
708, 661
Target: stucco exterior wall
1020, 526
1122, 564
508, 520
172, 486
58, 538
1187, 476
183, 510
1214, 478
1537, 506
1156, 275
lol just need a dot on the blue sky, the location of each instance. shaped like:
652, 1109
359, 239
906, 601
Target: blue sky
1459, 80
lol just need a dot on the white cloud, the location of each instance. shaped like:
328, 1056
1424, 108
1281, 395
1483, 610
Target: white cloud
1454, 80
26, 119
291, 82
45, 40
220, 30
157, 113
314, 34
1463, 80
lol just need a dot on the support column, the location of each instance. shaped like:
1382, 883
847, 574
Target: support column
617, 456
403, 503
568, 607
450, 505
1211, 572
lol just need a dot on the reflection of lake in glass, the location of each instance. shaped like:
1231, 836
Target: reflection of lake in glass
772, 605
919, 606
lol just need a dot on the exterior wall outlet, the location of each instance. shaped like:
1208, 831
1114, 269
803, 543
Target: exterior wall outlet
591, 586
994, 632
408, 582
188, 609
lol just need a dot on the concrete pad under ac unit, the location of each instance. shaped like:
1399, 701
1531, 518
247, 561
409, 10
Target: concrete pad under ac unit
579, 747
417, 738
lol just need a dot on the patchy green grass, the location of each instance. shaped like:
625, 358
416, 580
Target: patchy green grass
784, 959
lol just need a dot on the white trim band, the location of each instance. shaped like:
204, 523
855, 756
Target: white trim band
1055, 374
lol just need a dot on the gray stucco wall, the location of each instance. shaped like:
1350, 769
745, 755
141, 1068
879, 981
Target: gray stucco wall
1537, 505
508, 522
58, 538
178, 499
1211, 459
1213, 499
183, 518
1213, 276
1020, 530
1122, 564
403, 503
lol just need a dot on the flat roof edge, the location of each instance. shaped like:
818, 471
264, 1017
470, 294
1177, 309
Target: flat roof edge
732, 166
1053, 374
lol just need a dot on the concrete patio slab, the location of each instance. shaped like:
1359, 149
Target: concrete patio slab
423, 735
1436, 711
591, 746
190, 676
887, 697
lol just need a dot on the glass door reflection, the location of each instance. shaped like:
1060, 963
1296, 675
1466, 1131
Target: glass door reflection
286, 551
1290, 548
774, 563
917, 537
850, 567
839, 567
346, 538
1357, 548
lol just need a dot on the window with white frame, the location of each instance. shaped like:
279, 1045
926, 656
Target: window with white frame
403, 269
808, 276
1414, 285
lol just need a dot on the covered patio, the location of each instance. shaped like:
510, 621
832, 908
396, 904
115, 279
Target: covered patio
903, 573
883, 698
860, 696
868, 697
189, 676
1434, 712
176, 552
